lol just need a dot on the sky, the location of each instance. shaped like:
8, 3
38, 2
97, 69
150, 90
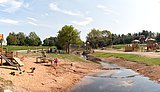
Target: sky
47, 17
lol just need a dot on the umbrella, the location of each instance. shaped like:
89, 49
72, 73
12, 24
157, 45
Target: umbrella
135, 41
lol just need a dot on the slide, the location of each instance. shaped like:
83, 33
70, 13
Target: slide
18, 61
11, 63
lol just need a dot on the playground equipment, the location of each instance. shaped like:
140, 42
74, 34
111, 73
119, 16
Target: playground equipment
151, 44
9, 57
42, 58
45, 59
132, 47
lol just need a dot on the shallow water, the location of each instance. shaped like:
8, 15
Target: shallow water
120, 80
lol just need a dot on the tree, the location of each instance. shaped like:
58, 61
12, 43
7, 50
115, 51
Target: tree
11, 39
106, 37
46, 42
158, 37
94, 38
68, 35
34, 40
99, 38
50, 41
27, 41
21, 39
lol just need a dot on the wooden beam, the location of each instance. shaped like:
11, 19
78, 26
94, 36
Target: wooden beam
1, 36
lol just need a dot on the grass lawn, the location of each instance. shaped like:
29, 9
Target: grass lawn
131, 57
120, 46
70, 57
13, 48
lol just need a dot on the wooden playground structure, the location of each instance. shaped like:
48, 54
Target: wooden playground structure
45, 59
10, 57
132, 47
151, 44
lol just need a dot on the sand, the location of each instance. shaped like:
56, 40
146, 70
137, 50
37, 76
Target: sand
47, 78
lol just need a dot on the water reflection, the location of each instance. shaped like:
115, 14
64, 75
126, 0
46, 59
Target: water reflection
123, 80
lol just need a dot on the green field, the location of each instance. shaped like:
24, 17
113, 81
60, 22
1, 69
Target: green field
70, 57
13, 48
120, 46
131, 57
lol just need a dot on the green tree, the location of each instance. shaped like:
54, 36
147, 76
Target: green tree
99, 38
94, 38
46, 42
158, 37
21, 39
27, 41
11, 39
50, 41
107, 38
34, 40
68, 35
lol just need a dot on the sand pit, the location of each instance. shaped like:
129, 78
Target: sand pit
47, 78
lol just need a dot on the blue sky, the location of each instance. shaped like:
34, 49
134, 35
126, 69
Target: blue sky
47, 17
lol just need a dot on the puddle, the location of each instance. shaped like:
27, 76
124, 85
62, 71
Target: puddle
118, 80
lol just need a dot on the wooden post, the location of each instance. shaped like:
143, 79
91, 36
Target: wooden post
1, 38
1, 53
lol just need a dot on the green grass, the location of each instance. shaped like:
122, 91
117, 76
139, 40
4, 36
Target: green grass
120, 46
131, 57
13, 48
70, 57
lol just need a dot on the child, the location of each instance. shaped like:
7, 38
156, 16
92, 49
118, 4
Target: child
55, 61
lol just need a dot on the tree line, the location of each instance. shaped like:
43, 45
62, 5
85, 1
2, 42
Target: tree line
68, 35
21, 39
104, 38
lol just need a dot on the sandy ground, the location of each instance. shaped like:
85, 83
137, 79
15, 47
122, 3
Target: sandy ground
153, 72
47, 78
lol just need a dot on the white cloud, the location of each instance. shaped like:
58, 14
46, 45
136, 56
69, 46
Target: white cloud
2, 1
83, 23
54, 7
11, 6
107, 10
32, 23
30, 18
9, 21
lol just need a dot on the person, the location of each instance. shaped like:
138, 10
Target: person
49, 50
55, 60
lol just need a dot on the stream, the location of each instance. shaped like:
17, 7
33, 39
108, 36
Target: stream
114, 78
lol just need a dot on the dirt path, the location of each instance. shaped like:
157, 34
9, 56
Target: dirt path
47, 78
146, 54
